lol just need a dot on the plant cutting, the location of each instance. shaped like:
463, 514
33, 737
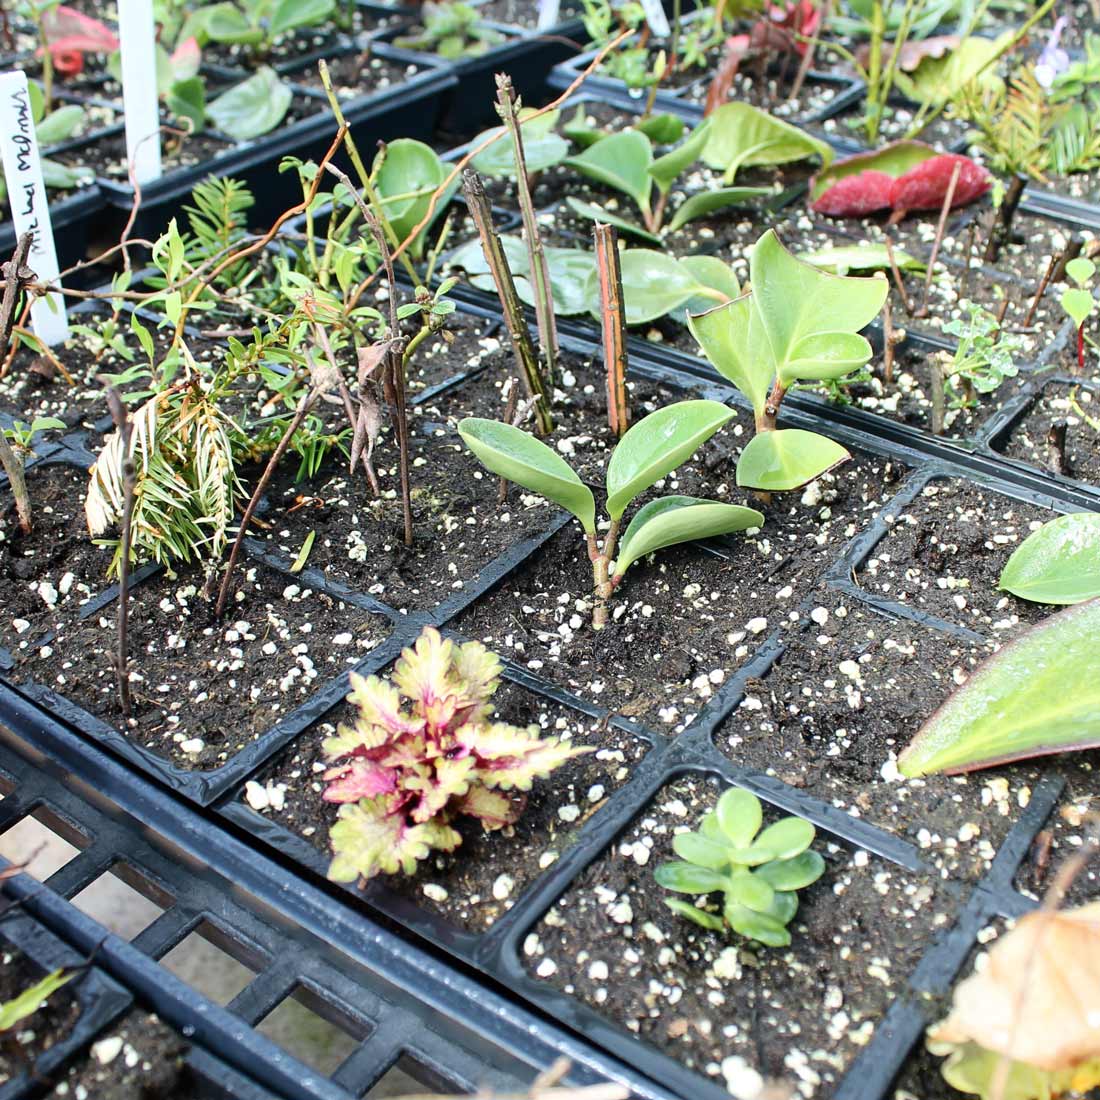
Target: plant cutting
1079, 303
1058, 563
735, 136
648, 451
451, 29
255, 24
901, 177
28, 1002
423, 752
758, 873
1020, 1028
795, 324
1037, 695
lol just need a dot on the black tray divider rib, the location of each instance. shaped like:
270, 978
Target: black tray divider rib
101, 999
156, 833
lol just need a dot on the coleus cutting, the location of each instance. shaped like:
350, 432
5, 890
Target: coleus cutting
423, 751
900, 177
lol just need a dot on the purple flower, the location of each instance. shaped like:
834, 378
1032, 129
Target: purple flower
1053, 61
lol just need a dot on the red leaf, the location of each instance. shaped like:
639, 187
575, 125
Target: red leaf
359, 779
925, 186
854, 196
69, 29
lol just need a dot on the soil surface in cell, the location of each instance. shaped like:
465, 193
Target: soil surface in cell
37, 1033
1030, 438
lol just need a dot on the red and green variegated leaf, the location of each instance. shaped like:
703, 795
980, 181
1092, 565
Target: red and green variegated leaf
492, 808
411, 752
440, 836
437, 786
511, 757
352, 741
476, 672
358, 779
379, 705
422, 672
368, 840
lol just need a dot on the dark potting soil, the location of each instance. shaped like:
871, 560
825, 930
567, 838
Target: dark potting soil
106, 155
941, 132
1028, 438
474, 885
51, 1024
839, 705
203, 691
772, 93
51, 573
731, 1010
944, 554
522, 13
687, 618
140, 1058
356, 74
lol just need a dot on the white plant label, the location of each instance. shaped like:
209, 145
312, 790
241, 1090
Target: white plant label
656, 18
140, 100
30, 209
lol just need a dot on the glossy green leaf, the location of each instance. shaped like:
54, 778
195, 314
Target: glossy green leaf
739, 815
894, 160
794, 873
1040, 694
696, 848
692, 913
706, 202
786, 459
622, 161
733, 339
520, 457
938, 80
405, 174
824, 355
542, 147
761, 927
668, 521
796, 300
656, 445
186, 99
717, 284
654, 284
1081, 269
688, 878
1058, 563
288, 14
596, 213
842, 259
667, 168
1078, 304
664, 129
740, 135
788, 837
253, 107
784, 903
753, 893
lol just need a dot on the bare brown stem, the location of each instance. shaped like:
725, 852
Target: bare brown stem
1056, 448
907, 305
613, 319
123, 426
941, 225
1001, 232
939, 397
1043, 283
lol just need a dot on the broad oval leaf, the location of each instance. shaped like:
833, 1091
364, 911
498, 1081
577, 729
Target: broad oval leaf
59, 125
288, 14
706, 202
692, 913
784, 905
595, 213
688, 878
740, 135
1078, 304
787, 459
740, 816
662, 129
656, 445
709, 827
520, 457
1058, 563
654, 284
696, 848
664, 170
542, 147
893, 160
668, 521
734, 341
1038, 695
717, 284
792, 874
253, 107
788, 837
622, 161
761, 927
408, 173
825, 355
751, 892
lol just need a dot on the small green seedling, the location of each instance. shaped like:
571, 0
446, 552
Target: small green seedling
757, 873
16, 446
796, 324
1078, 301
984, 358
28, 1002
652, 448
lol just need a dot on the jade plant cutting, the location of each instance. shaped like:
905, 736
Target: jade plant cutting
795, 324
757, 873
425, 750
648, 451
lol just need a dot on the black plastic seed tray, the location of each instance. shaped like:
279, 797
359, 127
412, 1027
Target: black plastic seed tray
100, 999
404, 1005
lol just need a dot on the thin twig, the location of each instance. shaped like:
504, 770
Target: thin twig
907, 305
123, 426
1043, 283
941, 225
808, 56
613, 319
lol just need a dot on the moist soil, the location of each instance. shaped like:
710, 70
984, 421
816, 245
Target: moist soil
944, 554
848, 693
772, 93
140, 1058
522, 13
51, 573
356, 74
1028, 438
203, 691
106, 155
941, 133
50, 1025
475, 885
726, 1008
